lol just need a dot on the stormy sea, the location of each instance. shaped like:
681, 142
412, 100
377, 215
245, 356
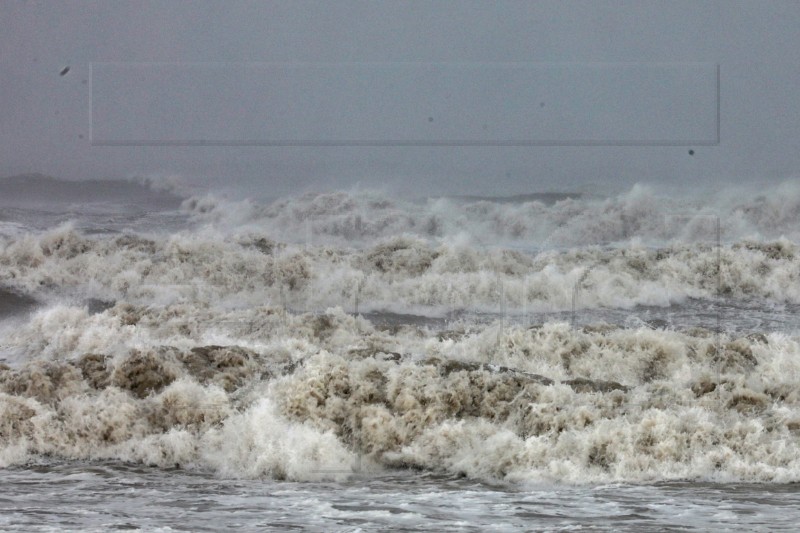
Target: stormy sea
175, 360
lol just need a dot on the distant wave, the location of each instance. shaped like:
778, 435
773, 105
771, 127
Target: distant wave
547, 198
40, 189
537, 221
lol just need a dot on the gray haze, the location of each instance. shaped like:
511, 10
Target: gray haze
45, 111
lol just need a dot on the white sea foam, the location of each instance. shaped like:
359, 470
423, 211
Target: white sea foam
401, 274
233, 346
313, 392
531, 221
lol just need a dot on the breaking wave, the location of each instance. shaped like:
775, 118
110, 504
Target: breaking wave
401, 274
256, 340
319, 396
536, 221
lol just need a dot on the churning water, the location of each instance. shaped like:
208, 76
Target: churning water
349, 361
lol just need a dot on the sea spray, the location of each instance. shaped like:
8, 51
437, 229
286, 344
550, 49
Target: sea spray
550, 403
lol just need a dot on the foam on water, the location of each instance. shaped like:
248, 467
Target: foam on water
404, 274
529, 221
232, 347
98, 496
303, 395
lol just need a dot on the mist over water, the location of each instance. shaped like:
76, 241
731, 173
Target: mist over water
462, 346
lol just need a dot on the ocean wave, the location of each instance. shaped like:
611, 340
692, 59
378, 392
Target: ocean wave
322, 396
153, 193
401, 274
13, 303
248, 343
542, 221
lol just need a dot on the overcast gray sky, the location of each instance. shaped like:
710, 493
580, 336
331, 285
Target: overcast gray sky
45, 116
